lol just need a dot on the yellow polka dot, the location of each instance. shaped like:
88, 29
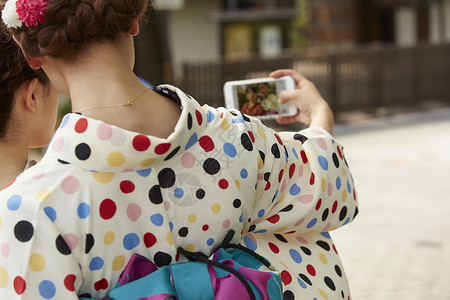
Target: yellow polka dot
109, 238
43, 195
324, 184
192, 218
281, 198
323, 294
215, 208
343, 171
280, 230
225, 125
116, 159
285, 266
260, 163
118, 263
190, 247
37, 262
323, 258
169, 238
103, 177
261, 133
147, 162
4, 277
238, 184
344, 196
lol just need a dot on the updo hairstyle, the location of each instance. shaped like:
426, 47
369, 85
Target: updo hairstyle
71, 25
14, 71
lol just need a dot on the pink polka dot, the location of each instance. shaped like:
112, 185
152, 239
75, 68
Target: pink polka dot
133, 211
302, 240
283, 186
167, 205
226, 223
104, 132
260, 176
81, 125
118, 137
330, 189
327, 227
306, 199
57, 144
322, 144
300, 171
70, 185
188, 160
299, 222
107, 209
5, 250
71, 240
38, 175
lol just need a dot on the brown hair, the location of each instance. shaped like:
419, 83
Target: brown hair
14, 71
71, 25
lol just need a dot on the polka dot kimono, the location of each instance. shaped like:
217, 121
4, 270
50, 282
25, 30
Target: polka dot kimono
69, 225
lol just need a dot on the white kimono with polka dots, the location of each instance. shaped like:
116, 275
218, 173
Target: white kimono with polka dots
69, 225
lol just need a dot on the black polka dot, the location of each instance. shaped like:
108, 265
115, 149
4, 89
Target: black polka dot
200, 194
211, 166
251, 228
237, 203
335, 160
306, 250
305, 278
288, 208
61, 245
166, 178
356, 212
263, 156
162, 259
281, 238
325, 214
324, 245
189, 121
329, 283
300, 137
246, 118
275, 151
338, 270
183, 231
86, 295
266, 176
246, 142
83, 151
89, 243
155, 195
233, 113
63, 162
173, 153
343, 213
288, 295
23, 231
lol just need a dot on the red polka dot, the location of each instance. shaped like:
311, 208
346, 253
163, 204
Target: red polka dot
311, 270
205, 227
81, 125
177, 256
127, 187
278, 139
340, 153
304, 157
107, 209
101, 284
149, 239
69, 282
162, 148
286, 278
334, 208
335, 250
312, 179
280, 176
274, 219
291, 232
267, 186
141, 142
319, 204
206, 143
274, 248
19, 285
199, 117
223, 184
252, 137
291, 171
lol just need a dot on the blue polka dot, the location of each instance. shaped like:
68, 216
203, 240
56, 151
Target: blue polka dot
295, 153
261, 213
144, 173
346, 221
285, 156
326, 235
131, 241
14, 202
250, 243
171, 226
96, 263
338, 183
323, 162
47, 289
311, 223
83, 210
191, 141
51, 213
210, 241
349, 188
294, 190
210, 117
301, 283
64, 121
178, 193
157, 219
261, 231
295, 255
238, 119
229, 149
244, 173
241, 218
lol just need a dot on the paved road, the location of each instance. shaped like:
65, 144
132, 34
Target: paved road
399, 245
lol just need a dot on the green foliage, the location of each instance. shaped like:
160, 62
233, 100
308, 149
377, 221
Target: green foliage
297, 35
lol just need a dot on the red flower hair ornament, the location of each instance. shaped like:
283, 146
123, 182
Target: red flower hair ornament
28, 12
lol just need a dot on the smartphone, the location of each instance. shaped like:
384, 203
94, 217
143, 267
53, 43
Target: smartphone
259, 97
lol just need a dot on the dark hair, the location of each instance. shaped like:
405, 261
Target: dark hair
14, 71
71, 25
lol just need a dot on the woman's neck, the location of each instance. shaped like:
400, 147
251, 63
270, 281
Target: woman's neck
14, 156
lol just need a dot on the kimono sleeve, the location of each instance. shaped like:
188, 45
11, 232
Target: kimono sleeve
311, 189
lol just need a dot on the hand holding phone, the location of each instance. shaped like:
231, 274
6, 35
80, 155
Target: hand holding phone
259, 97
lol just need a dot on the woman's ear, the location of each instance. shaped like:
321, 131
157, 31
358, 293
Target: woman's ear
134, 30
34, 62
30, 97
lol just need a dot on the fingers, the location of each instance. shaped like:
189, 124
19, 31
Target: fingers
298, 78
286, 96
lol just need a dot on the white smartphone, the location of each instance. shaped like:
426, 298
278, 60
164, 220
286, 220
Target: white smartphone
259, 97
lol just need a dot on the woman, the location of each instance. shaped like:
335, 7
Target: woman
29, 109
133, 172
252, 107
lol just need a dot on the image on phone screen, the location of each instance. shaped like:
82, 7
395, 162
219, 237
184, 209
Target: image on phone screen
258, 99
